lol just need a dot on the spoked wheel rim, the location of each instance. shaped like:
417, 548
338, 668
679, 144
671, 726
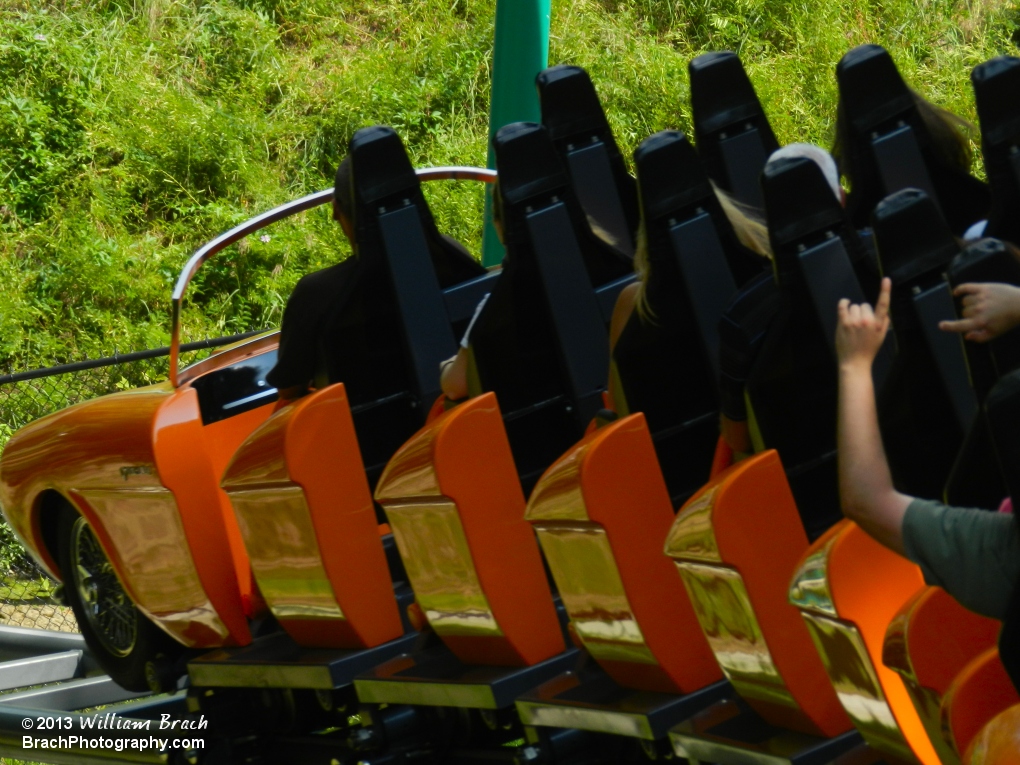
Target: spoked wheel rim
108, 609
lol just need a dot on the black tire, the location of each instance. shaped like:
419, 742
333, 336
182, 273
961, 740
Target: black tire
130, 648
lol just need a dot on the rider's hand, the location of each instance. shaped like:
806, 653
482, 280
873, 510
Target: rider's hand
989, 310
861, 331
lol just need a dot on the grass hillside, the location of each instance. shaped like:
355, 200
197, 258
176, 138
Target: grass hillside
133, 131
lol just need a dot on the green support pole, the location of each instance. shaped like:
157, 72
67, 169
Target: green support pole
520, 52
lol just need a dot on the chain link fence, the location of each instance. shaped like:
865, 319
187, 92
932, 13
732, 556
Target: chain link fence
27, 594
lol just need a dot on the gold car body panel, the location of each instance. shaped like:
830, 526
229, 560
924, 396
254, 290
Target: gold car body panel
146, 543
440, 567
848, 573
456, 509
846, 659
727, 617
289, 569
809, 589
593, 592
691, 537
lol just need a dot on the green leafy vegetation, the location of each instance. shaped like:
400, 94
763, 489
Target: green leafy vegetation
132, 131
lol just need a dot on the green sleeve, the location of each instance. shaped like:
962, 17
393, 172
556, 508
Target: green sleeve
974, 555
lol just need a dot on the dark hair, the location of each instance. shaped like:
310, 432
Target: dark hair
342, 189
948, 133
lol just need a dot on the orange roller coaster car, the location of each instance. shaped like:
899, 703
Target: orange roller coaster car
120, 498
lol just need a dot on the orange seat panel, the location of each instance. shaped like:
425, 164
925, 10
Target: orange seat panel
735, 543
222, 440
185, 454
455, 504
928, 643
299, 490
998, 743
601, 513
848, 588
980, 691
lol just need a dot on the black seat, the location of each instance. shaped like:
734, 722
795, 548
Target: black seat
392, 325
235, 389
668, 365
889, 146
577, 124
731, 131
792, 386
929, 404
997, 93
541, 342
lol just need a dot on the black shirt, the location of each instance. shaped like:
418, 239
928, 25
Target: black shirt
342, 324
304, 320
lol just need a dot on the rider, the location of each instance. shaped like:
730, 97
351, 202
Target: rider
973, 554
736, 362
313, 326
298, 365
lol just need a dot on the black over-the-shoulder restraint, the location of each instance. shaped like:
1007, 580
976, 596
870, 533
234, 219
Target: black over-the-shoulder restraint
792, 383
974, 480
668, 363
929, 406
731, 131
541, 342
889, 146
997, 93
577, 124
390, 326
987, 260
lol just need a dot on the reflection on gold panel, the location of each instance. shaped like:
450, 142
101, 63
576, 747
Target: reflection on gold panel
849, 667
413, 474
584, 567
278, 532
809, 590
435, 552
728, 620
691, 535
148, 545
558, 496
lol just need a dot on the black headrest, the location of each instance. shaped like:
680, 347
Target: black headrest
670, 174
988, 260
799, 204
528, 163
997, 92
569, 102
871, 89
912, 236
721, 93
380, 167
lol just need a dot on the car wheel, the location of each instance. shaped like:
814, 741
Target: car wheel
129, 647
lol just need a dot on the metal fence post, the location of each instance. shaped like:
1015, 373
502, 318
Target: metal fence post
520, 52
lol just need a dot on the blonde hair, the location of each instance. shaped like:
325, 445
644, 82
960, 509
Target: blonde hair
601, 233
747, 222
748, 227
